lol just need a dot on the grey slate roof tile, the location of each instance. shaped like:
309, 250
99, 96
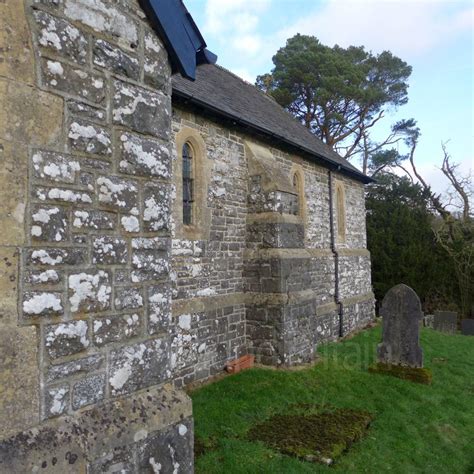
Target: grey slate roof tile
220, 91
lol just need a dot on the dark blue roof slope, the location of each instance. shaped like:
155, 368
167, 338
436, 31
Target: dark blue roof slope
182, 38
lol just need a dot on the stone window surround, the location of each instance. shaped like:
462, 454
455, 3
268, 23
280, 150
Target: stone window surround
297, 170
200, 227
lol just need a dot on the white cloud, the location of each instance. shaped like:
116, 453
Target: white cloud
244, 74
405, 27
236, 23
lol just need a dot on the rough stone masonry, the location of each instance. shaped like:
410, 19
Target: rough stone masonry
85, 127
108, 303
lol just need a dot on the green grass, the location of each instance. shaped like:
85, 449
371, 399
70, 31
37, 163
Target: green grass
417, 428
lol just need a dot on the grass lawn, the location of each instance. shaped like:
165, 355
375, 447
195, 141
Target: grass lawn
417, 428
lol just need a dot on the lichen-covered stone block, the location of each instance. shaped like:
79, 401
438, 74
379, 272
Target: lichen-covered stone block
141, 110
109, 250
185, 343
42, 277
116, 328
87, 137
89, 292
78, 366
56, 167
56, 256
144, 156
118, 193
62, 195
139, 366
159, 308
115, 60
60, 37
156, 207
88, 391
93, 220
49, 224
168, 451
105, 17
63, 78
148, 261
128, 298
56, 400
156, 66
66, 338
121, 459
85, 111
42, 303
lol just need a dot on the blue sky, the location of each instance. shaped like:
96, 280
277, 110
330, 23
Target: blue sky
435, 37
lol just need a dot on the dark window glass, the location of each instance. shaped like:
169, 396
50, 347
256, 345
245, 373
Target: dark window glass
188, 184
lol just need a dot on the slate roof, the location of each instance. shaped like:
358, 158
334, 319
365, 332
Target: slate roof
183, 40
224, 94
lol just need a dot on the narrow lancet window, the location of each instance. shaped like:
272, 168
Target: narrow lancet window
188, 184
297, 188
341, 213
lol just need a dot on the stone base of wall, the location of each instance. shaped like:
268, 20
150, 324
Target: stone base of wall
357, 314
328, 326
289, 334
150, 431
203, 342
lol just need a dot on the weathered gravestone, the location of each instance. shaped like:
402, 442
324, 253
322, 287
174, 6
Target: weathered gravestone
401, 313
467, 327
446, 321
428, 321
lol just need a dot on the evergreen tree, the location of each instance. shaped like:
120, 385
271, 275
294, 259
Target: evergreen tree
403, 246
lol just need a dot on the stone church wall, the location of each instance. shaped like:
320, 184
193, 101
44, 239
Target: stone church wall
261, 277
85, 179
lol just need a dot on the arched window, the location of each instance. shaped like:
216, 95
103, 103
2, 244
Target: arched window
341, 212
188, 184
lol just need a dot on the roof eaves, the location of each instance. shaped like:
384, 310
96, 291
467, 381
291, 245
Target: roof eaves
245, 123
183, 40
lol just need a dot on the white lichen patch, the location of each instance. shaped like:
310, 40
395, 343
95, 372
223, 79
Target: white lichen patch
89, 291
91, 134
185, 322
44, 215
42, 303
44, 257
130, 223
156, 213
116, 192
58, 400
55, 167
64, 195
48, 276
66, 338
153, 160
55, 67
206, 292
133, 355
103, 17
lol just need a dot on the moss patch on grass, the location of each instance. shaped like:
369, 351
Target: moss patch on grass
312, 436
203, 446
413, 374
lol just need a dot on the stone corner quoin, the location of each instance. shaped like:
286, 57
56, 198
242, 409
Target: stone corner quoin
85, 89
